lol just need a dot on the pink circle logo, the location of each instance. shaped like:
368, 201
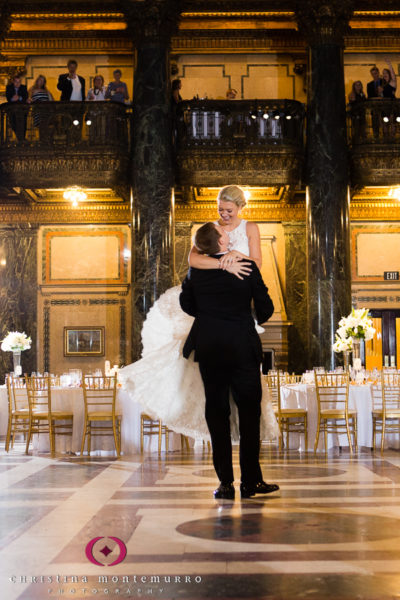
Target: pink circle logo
95, 546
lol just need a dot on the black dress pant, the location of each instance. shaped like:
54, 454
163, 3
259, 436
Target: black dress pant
244, 382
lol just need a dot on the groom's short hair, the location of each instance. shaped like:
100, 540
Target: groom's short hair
206, 239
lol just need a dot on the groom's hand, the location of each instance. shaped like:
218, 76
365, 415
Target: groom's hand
240, 269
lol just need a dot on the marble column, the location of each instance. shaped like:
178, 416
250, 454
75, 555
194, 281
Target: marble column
18, 292
328, 234
152, 24
296, 295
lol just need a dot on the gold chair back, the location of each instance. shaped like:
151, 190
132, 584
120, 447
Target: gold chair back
334, 416
385, 406
99, 395
42, 417
18, 409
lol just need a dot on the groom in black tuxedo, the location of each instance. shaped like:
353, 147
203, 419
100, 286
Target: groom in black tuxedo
228, 350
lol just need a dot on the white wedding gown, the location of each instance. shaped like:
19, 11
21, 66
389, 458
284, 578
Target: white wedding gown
168, 386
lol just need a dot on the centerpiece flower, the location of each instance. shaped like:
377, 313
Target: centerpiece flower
16, 342
352, 329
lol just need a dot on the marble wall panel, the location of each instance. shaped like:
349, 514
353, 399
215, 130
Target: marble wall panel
296, 295
18, 295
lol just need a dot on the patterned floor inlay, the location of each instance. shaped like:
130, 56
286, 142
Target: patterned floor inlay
149, 527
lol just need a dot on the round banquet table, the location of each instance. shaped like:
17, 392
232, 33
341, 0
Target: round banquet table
72, 399
302, 395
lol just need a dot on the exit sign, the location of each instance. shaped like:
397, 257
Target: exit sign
391, 275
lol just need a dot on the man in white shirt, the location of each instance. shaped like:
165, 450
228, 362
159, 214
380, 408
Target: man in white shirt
71, 85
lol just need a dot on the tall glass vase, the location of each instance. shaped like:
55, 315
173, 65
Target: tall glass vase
346, 360
17, 362
357, 366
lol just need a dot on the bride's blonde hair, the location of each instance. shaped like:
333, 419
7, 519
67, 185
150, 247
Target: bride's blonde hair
232, 193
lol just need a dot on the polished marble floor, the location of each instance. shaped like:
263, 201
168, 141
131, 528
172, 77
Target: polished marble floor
148, 527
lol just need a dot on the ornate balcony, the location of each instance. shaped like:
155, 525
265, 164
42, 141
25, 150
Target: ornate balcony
52, 143
374, 138
257, 142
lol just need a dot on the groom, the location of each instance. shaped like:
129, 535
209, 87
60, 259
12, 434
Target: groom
229, 353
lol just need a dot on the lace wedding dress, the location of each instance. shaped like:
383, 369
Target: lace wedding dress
168, 386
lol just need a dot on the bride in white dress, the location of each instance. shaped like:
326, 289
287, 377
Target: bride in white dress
168, 386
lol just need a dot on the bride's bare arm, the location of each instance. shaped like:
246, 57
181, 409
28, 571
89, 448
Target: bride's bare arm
253, 234
201, 261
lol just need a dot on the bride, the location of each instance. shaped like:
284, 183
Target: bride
168, 386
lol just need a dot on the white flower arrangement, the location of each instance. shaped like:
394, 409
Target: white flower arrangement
357, 325
16, 342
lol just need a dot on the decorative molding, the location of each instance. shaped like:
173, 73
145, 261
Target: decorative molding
103, 301
152, 21
324, 23
259, 212
44, 214
68, 302
271, 167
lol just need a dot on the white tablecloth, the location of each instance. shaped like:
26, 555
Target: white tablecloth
72, 399
304, 396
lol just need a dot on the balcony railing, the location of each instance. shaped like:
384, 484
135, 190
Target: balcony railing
374, 122
242, 140
242, 123
373, 128
87, 142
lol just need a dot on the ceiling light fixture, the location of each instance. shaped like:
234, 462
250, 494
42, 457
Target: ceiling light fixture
74, 194
395, 193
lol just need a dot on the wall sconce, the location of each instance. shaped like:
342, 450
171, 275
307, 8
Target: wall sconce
74, 194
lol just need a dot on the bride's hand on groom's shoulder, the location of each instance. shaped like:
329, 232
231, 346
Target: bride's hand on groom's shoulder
230, 258
240, 269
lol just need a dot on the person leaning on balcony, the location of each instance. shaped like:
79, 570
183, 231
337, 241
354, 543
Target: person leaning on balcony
358, 121
17, 93
98, 91
389, 82
117, 90
71, 85
389, 92
39, 93
374, 88
95, 116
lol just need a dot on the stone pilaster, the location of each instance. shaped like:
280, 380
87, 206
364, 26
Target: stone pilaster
328, 237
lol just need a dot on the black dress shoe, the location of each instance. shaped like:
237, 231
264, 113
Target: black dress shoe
226, 492
246, 491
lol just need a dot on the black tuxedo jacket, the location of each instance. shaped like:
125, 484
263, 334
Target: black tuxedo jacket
223, 331
21, 91
371, 90
65, 86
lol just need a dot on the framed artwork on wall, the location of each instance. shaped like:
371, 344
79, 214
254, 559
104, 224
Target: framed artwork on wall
84, 341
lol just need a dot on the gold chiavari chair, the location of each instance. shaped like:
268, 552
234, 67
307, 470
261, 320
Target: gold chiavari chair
292, 378
290, 420
334, 415
18, 409
42, 417
385, 407
100, 395
150, 426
